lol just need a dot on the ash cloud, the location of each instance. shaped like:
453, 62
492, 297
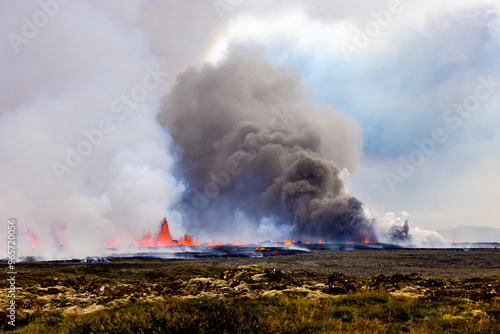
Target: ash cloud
252, 143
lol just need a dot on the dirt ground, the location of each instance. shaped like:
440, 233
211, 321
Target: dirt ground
424, 262
369, 262
73, 287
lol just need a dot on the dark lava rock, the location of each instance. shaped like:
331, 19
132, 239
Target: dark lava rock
275, 275
92, 286
53, 291
49, 282
227, 275
338, 284
396, 281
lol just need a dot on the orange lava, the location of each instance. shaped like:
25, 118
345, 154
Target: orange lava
146, 240
164, 238
114, 244
32, 239
188, 241
213, 243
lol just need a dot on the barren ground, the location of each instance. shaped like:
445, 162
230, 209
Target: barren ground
70, 291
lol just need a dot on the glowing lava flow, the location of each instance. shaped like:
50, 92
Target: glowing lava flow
114, 244
32, 239
162, 239
188, 241
213, 243
146, 241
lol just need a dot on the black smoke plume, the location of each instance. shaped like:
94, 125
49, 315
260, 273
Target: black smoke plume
399, 232
254, 148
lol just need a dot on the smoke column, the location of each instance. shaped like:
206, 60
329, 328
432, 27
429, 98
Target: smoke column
256, 151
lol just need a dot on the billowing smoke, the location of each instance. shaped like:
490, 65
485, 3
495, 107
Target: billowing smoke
256, 151
399, 232
393, 229
84, 159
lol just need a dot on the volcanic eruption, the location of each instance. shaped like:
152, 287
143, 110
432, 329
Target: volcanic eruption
254, 149
104, 135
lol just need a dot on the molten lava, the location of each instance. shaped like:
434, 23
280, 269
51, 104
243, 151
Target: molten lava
213, 243
31, 239
186, 240
114, 244
164, 238
147, 241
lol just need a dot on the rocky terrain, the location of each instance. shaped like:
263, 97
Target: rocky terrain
427, 275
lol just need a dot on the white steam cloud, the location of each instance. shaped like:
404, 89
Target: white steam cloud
81, 148
389, 227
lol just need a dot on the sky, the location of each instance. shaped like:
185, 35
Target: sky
421, 81
403, 79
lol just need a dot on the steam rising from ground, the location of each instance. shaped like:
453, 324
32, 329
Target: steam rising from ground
254, 145
393, 229
57, 91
